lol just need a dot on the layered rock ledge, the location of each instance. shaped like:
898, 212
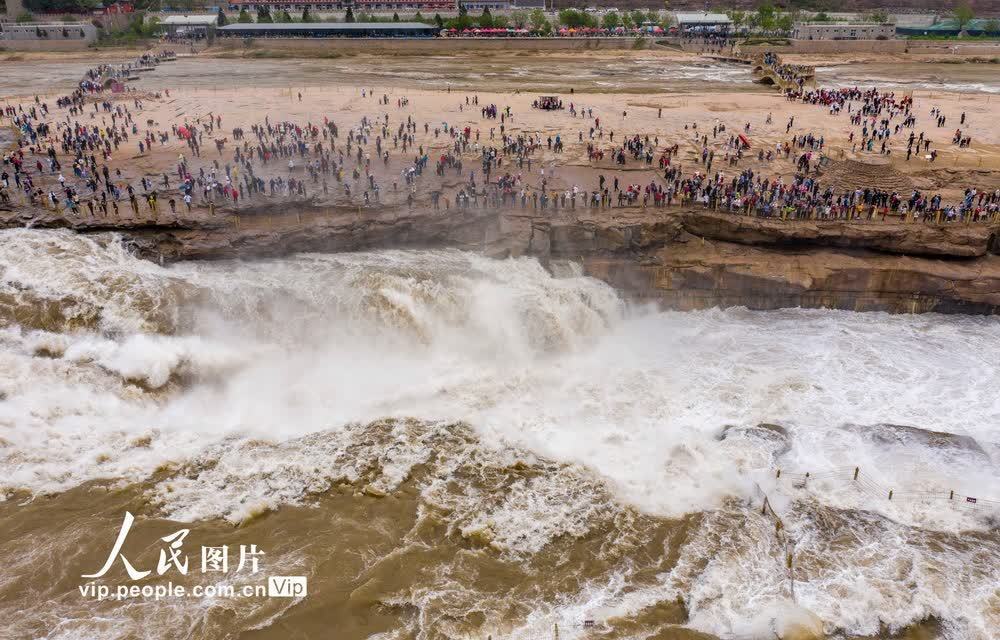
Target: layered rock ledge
683, 259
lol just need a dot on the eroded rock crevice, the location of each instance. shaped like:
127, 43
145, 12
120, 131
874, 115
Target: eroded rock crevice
682, 259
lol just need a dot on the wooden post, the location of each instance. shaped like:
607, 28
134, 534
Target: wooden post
763, 508
791, 575
951, 494
856, 470
890, 494
778, 474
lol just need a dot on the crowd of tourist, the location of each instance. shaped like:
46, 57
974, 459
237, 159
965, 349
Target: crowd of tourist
66, 162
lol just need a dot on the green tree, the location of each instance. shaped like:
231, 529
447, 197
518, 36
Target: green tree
349, 16
738, 17
538, 20
519, 18
963, 15
638, 17
395, 17
501, 22
785, 22
244, 17
439, 21
879, 16
283, 17
611, 20
220, 19
264, 14
461, 23
418, 17
992, 26
766, 16
486, 20
306, 16
572, 18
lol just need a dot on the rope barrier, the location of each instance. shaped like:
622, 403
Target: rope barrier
868, 485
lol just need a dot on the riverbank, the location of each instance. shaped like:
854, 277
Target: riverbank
683, 259
682, 256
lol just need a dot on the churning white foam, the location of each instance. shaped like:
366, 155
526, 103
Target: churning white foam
266, 368
558, 366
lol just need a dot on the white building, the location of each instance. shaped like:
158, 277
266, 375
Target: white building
82, 33
702, 21
492, 5
843, 31
358, 6
198, 25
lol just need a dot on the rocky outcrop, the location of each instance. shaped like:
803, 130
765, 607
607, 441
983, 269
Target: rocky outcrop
577, 238
954, 240
262, 234
938, 441
46, 219
681, 259
699, 275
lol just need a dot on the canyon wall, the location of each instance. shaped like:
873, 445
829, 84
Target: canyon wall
683, 259
695, 260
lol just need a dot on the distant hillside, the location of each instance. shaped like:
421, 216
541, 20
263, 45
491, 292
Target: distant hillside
981, 7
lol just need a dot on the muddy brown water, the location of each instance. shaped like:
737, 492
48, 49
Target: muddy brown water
451, 549
402, 564
632, 73
908, 76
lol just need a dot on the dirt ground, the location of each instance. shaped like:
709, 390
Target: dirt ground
246, 92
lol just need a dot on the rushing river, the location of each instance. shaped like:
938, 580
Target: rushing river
449, 446
909, 76
641, 72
